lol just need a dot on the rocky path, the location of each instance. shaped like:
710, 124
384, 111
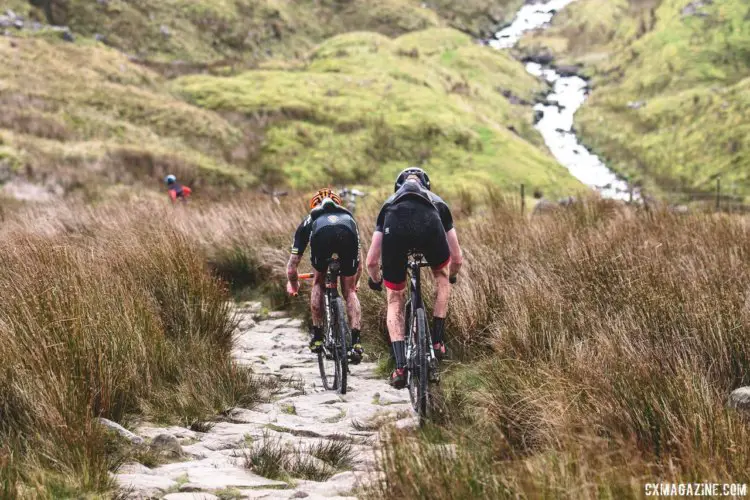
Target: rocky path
317, 434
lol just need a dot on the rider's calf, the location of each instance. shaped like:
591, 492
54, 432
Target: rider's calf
396, 301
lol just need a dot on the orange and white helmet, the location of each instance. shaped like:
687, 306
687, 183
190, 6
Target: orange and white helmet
321, 195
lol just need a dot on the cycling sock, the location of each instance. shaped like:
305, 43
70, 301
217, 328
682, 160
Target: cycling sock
356, 336
399, 350
438, 330
317, 332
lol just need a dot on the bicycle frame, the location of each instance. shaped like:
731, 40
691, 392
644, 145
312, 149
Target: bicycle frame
332, 291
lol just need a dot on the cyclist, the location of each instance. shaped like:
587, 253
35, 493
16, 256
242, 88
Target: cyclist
413, 219
175, 190
329, 229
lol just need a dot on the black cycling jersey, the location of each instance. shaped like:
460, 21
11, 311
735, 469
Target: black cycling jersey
415, 191
329, 229
413, 220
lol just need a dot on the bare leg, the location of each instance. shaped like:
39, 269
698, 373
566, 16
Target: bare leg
353, 309
395, 319
443, 292
317, 301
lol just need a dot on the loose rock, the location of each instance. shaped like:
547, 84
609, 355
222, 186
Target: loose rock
166, 444
740, 398
122, 431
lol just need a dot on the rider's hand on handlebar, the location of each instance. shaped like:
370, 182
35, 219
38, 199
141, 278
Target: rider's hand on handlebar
453, 279
375, 285
292, 288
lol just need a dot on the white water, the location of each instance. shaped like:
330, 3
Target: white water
556, 125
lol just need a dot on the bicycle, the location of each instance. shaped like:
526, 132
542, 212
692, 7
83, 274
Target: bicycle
351, 195
333, 360
420, 357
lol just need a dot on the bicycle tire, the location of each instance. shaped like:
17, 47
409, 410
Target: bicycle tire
341, 344
328, 375
419, 370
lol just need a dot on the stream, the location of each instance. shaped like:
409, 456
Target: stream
569, 92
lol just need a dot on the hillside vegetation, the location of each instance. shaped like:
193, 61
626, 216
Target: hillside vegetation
86, 118
673, 75
252, 30
593, 351
363, 105
78, 115
112, 314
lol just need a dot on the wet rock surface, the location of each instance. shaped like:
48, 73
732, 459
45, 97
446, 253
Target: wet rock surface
301, 417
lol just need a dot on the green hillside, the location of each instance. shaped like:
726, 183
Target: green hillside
674, 76
365, 104
323, 91
78, 115
252, 30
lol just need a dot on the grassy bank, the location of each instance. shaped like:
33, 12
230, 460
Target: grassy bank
109, 313
673, 76
598, 347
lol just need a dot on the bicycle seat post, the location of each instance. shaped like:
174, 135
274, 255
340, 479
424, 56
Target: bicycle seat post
334, 267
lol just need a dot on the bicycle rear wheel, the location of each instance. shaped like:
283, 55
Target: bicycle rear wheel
341, 342
326, 361
418, 377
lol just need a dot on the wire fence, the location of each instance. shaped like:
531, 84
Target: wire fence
716, 198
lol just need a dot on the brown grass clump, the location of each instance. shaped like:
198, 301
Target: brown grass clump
105, 313
593, 348
598, 347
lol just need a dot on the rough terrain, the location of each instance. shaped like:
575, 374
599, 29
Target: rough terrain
302, 415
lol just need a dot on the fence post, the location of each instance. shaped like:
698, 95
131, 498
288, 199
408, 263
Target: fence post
718, 193
523, 199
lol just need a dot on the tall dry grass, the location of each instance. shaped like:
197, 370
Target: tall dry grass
597, 349
594, 347
114, 312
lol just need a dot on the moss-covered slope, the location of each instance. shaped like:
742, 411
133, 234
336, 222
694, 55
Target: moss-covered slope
365, 105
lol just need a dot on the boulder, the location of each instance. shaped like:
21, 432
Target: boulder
167, 445
122, 431
740, 399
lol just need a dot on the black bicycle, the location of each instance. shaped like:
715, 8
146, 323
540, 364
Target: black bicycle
420, 357
332, 358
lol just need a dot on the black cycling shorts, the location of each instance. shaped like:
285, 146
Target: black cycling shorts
335, 235
411, 226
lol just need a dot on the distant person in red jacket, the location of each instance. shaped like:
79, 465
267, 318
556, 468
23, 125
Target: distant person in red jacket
176, 190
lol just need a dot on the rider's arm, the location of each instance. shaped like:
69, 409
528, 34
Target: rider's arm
446, 217
301, 239
360, 255
302, 236
376, 248
291, 268
457, 257
373, 257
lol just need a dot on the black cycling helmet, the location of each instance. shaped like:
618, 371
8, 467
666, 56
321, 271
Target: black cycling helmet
423, 177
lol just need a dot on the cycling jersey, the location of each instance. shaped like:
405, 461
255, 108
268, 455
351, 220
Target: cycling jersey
415, 191
178, 191
329, 229
413, 220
